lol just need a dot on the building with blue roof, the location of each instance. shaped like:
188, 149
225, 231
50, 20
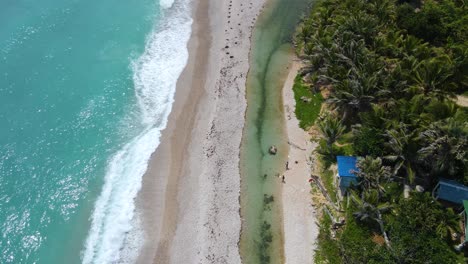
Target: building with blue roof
346, 168
451, 191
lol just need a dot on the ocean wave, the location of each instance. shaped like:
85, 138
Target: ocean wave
155, 76
166, 3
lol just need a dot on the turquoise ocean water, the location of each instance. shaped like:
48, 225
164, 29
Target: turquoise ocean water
85, 89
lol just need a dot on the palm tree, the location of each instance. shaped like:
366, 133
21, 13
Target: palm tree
460, 65
449, 222
352, 96
365, 26
372, 174
413, 46
369, 208
445, 147
331, 129
385, 10
401, 146
432, 77
412, 112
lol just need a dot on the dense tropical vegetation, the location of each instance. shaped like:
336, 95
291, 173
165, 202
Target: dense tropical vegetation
392, 70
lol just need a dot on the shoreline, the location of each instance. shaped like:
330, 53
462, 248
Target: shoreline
189, 200
299, 217
158, 198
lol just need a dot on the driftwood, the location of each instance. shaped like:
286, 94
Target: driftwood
319, 184
336, 223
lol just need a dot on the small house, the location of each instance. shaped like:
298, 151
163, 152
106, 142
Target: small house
450, 191
346, 169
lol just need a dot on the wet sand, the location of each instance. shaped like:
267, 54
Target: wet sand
189, 202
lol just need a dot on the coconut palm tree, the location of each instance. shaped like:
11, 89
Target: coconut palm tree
384, 10
401, 145
369, 208
445, 145
449, 222
353, 95
364, 26
413, 46
372, 174
431, 77
331, 129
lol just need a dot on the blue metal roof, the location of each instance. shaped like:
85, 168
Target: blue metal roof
452, 191
346, 165
345, 182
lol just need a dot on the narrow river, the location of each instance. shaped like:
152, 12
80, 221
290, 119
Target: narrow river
271, 54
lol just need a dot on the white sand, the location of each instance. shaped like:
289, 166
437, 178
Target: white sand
299, 220
190, 195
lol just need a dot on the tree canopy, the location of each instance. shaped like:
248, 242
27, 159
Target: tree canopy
392, 71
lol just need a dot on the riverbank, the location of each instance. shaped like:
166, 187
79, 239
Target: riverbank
299, 217
189, 202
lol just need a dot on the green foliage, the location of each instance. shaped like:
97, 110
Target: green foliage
372, 174
329, 153
423, 216
327, 250
437, 22
393, 69
358, 247
368, 141
306, 112
444, 148
345, 150
345, 138
331, 129
328, 179
421, 248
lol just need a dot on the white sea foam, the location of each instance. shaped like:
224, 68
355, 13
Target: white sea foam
166, 3
155, 76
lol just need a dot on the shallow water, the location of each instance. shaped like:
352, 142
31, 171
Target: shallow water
262, 234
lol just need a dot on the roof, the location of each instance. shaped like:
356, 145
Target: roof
346, 182
452, 191
346, 165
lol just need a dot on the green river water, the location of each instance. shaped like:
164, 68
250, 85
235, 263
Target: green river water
271, 54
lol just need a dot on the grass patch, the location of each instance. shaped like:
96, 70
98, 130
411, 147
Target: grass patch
328, 250
327, 177
306, 112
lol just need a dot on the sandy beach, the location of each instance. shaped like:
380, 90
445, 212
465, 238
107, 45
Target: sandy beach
299, 217
189, 203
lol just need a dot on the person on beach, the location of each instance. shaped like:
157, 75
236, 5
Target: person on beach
287, 165
283, 179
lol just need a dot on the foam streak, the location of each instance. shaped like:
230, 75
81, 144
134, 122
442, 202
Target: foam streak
155, 77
